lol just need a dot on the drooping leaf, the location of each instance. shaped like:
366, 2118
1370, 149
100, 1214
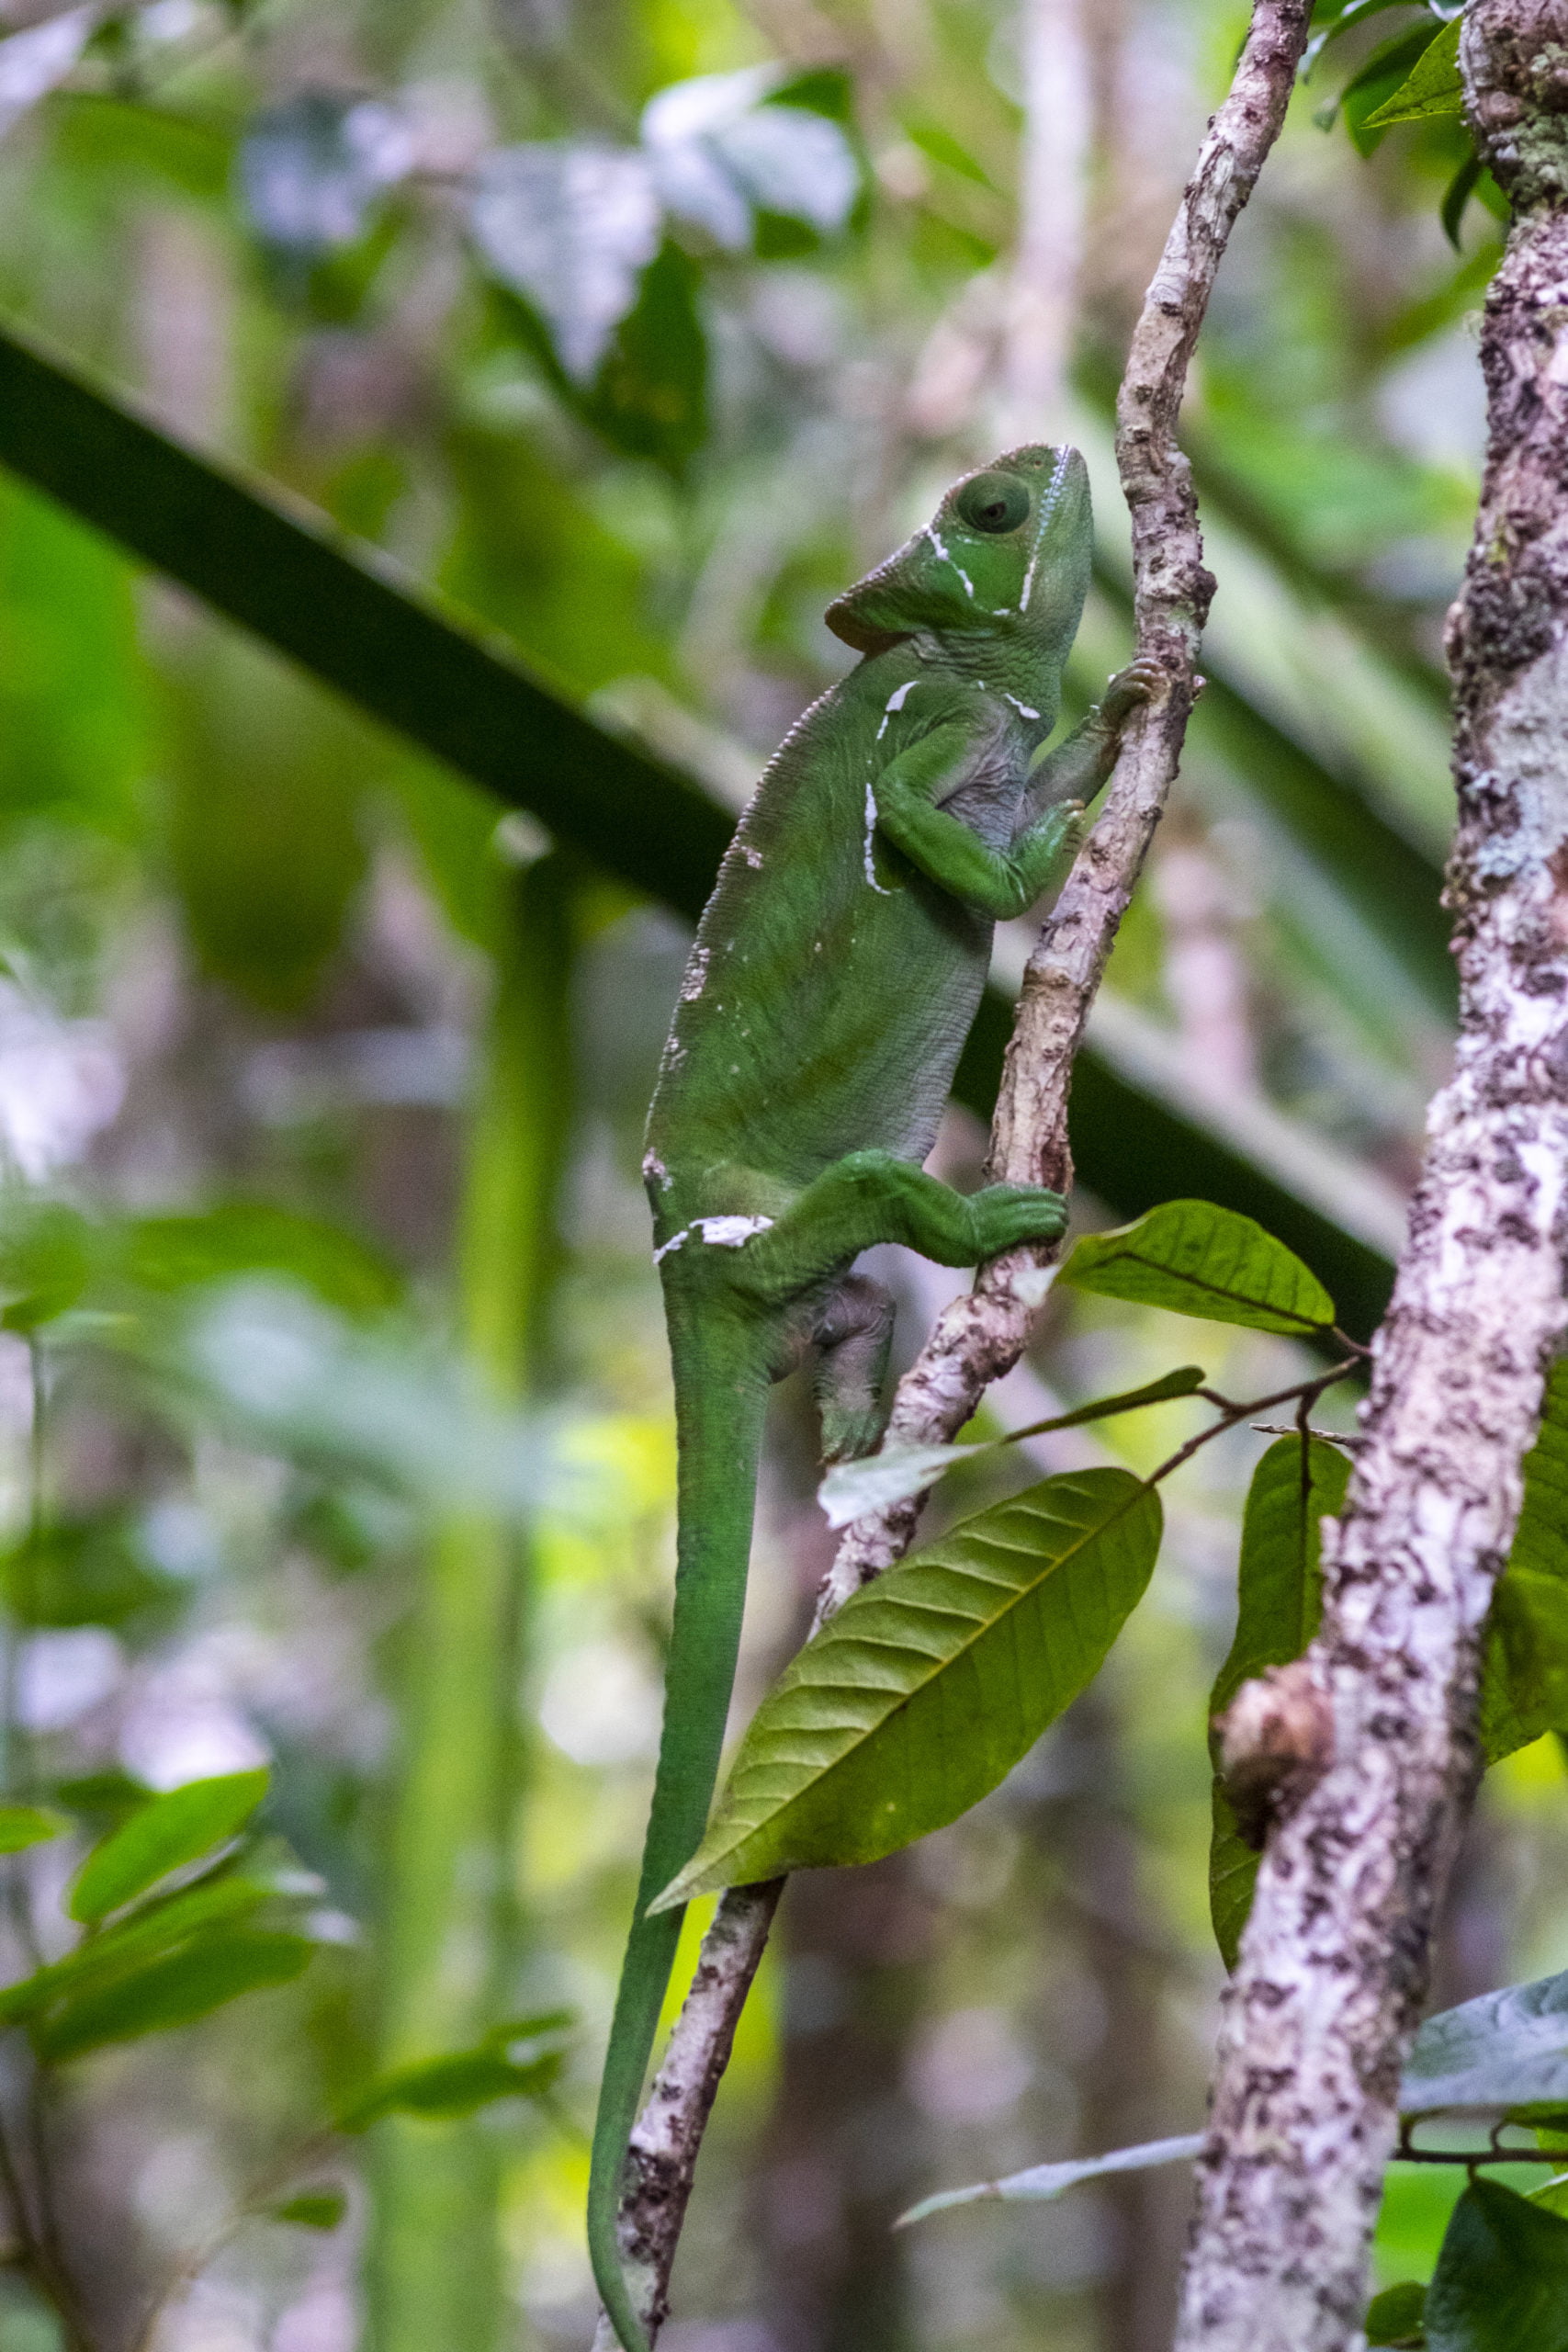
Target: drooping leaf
926, 1688
204, 1975
1278, 1602
1502, 2053
1524, 1679
1501, 2283
27, 1825
943, 148
1433, 87
175, 1828
1205, 1260
1041, 2183
1395, 2317
876, 1481
313, 2208
650, 397
569, 225
457, 2082
312, 166
1456, 196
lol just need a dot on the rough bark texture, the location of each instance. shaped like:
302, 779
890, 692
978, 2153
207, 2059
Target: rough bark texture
982, 1336
1334, 1962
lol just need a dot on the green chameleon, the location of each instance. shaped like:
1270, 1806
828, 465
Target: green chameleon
836, 972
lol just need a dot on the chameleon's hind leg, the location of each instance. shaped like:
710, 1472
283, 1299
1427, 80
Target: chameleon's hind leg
852, 1334
871, 1196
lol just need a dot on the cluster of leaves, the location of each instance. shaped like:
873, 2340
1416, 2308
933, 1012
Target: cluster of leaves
928, 1687
1413, 76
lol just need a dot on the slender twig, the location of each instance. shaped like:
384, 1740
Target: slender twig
982, 1335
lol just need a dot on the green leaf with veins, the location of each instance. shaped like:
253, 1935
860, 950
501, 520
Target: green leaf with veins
174, 1829
1279, 1600
1197, 1258
928, 1687
1503, 2053
1432, 88
1501, 2283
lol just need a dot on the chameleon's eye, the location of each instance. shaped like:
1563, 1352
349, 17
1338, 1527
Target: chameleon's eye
994, 503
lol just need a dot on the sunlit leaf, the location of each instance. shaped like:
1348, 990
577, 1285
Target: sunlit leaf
1199, 1260
458, 2083
27, 1825
1432, 87
569, 225
926, 1688
1043, 2183
174, 1829
1524, 1678
1278, 1602
312, 166
878, 1480
1501, 2283
204, 1975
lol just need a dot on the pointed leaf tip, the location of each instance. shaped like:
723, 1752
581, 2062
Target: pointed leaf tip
926, 1688
1197, 1258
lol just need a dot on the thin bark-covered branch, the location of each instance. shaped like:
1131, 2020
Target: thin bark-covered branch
981, 1337
1334, 1962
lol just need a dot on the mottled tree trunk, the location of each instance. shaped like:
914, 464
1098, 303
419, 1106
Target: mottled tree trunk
1334, 1965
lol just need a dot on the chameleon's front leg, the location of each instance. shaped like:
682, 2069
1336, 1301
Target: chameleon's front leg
871, 1196
1003, 883
1076, 767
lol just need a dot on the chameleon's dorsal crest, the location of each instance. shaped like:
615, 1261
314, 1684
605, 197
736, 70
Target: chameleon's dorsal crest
1006, 550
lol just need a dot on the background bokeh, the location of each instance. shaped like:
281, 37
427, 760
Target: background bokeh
353, 1454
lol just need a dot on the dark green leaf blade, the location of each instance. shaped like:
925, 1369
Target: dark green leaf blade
1197, 1258
1279, 1600
1501, 2283
176, 1990
1395, 2317
457, 2082
163, 1835
926, 1688
1524, 1676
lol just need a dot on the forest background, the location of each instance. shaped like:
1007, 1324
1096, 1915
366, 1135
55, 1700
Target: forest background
335, 1420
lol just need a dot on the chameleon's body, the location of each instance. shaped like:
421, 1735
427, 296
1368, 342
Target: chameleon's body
834, 975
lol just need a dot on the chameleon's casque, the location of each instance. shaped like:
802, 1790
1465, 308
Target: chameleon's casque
836, 972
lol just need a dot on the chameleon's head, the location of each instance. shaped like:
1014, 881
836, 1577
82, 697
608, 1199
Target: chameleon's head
1007, 551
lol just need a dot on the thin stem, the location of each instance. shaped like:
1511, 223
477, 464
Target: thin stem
1307, 1391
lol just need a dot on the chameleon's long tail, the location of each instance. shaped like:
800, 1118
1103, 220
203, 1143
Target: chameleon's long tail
721, 1387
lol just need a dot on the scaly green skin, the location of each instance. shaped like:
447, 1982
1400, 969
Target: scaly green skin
836, 972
